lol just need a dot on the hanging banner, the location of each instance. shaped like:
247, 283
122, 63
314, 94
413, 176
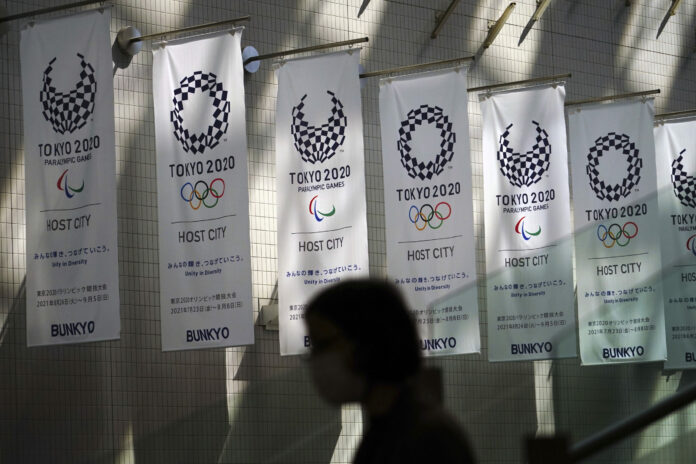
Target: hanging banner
675, 154
428, 206
70, 172
203, 201
529, 269
322, 223
617, 246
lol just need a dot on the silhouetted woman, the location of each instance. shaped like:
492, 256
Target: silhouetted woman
365, 349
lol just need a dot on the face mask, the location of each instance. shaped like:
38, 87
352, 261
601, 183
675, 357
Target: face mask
335, 378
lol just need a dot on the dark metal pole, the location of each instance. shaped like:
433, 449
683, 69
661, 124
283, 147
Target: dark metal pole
676, 114
189, 29
535, 80
613, 97
414, 67
443, 18
306, 49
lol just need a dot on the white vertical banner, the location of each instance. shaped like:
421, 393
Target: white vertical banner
203, 201
675, 155
428, 206
618, 264
69, 156
529, 270
320, 168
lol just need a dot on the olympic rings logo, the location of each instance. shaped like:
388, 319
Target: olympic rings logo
615, 234
201, 193
690, 244
426, 214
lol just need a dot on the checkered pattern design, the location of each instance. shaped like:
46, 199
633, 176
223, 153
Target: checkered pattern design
684, 185
69, 111
426, 114
623, 143
206, 82
318, 144
524, 169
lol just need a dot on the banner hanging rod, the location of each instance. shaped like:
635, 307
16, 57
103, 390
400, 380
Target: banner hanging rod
413, 67
613, 97
50, 9
676, 114
188, 29
305, 49
535, 80
442, 18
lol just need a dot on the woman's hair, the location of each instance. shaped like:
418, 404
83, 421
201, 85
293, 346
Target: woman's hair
373, 315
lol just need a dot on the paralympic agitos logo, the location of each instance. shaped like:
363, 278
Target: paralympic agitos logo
520, 229
691, 244
314, 210
68, 189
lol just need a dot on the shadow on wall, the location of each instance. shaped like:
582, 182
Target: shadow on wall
599, 398
57, 407
274, 419
69, 383
176, 414
8, 374
278, 418
683, 447
488, 414
601, 395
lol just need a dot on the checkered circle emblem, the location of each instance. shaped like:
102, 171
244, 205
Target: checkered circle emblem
318, 144
426, 114
69, 111
684, 185
621, 142
205, 82
524, 169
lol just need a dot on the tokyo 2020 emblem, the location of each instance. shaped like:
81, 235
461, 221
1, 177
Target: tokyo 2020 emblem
316, 144
524, 169
417, 168
602, 189
70, 110
684, 184
189, 85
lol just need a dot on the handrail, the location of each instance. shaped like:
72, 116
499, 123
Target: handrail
613, 433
